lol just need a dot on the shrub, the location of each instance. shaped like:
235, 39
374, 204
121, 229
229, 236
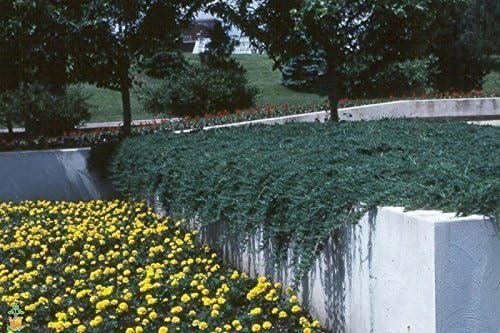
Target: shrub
304, 72
217, 84
491, 82
409, 77
303, 180
362, 79
118, 267
199, 90
415, 76
219, 49
6, 110
42, 113
164, 63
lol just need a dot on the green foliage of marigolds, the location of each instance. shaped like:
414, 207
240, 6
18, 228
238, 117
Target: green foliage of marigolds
301, 181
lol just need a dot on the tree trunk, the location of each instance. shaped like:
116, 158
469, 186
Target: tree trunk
127, 110
125, 85
332, 88
10, 127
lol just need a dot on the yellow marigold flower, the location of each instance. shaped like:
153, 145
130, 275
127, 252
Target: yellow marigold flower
96, 321
296, 308
163, 329
139, 329
282, 314
122, 307
202, 325
81, 329
153, 315
185, 298
267, 325
256, 311
176, 309
256, 328
141, 311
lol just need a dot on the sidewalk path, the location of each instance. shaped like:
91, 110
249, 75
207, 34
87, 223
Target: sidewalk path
107, 124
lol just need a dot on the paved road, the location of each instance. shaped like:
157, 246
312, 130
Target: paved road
106, 124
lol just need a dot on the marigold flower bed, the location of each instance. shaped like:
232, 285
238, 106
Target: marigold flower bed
118, 267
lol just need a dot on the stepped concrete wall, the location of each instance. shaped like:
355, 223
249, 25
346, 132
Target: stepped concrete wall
62, 174
395, 271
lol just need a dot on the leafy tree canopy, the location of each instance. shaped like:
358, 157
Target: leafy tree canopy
38, 40
365, 31
59, 42
118, 34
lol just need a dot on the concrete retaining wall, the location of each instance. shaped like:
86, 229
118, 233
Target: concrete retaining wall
460, 109
395, 271
51, 175
456, 109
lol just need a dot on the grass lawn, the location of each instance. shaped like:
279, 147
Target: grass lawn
261, 75
107, 105
271, 91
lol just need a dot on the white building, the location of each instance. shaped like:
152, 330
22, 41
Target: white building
243, 45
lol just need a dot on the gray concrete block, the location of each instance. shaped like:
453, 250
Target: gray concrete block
51, 175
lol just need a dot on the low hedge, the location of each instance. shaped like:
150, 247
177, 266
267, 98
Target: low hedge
303, 180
